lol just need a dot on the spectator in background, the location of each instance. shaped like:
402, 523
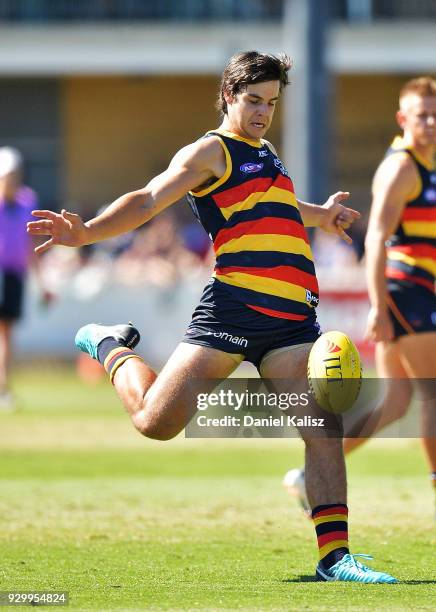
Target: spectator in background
16, 253
163, 253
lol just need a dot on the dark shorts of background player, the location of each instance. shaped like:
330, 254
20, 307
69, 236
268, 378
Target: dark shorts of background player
412, 308
11, 295
223, 323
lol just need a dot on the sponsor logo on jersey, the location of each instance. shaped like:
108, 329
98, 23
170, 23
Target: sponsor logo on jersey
250, 167
239, 340
311, 299
278, 164
263, 153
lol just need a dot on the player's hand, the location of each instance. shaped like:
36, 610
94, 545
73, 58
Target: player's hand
66, 229
338, 217
379, 326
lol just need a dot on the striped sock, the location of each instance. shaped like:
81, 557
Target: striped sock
331, 525
112, 354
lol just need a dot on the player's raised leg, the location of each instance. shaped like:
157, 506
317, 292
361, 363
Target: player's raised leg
159, 406
168, 404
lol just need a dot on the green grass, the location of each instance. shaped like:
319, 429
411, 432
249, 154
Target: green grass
90, 507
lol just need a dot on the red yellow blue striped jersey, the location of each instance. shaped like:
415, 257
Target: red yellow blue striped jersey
263, 255
411, 250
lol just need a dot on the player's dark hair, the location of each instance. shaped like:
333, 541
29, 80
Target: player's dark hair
251, 67
422, 86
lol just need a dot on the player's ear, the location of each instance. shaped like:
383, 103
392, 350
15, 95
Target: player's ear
228, 97
401, 119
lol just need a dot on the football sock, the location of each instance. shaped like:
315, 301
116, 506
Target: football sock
112, 354
331, 525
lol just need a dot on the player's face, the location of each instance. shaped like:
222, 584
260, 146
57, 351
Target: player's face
417, 117
251, 112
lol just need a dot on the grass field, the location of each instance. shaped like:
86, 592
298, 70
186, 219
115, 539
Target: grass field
90, 507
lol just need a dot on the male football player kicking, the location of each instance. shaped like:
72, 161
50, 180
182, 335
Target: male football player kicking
263, 289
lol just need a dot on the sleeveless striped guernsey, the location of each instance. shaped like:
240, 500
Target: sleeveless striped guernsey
263, 256
411, 250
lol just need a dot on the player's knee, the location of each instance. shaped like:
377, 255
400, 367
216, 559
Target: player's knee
153, 430
402, 409
398, 403
162, 435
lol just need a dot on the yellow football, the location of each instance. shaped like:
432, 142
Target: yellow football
334, 372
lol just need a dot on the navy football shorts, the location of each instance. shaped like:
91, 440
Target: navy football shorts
223, 323
412, 308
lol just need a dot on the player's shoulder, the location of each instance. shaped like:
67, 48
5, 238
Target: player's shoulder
210, 143
397, 166
398, 158
204, 151
396, 179
207, 145
269, 145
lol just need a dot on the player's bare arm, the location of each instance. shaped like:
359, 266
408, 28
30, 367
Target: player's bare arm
333, 217
394, 184
190, 168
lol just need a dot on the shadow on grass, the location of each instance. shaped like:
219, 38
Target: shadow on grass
417, 582
303, 578
312, 578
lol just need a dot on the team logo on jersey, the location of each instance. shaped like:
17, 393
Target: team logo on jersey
263, 153
278, 164
430, 194
250, 167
